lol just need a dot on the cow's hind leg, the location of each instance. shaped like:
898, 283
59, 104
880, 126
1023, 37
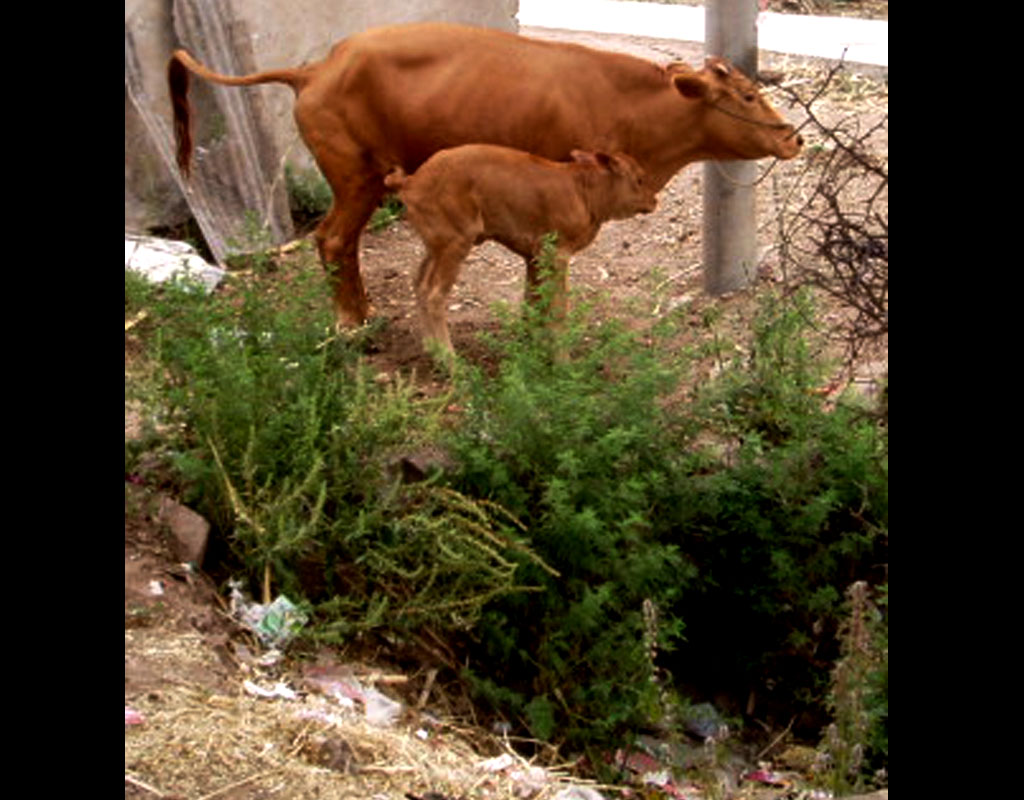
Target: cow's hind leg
337, 239
357, 189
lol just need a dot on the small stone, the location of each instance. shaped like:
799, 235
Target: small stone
189, 530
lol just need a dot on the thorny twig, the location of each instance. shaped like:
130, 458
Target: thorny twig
834, 221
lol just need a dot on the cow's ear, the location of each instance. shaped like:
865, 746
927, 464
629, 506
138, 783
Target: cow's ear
719, 66
693, 86
678, 68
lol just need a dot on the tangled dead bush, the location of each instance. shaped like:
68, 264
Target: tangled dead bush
834, 226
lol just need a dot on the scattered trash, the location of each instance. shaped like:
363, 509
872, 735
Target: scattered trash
341, 689
497, 764
767, 777
156, 588
274, 625
703, 720
649, 771
381, 709
279, 689
636, 761
578, 793
320, 715
661, 778
528, 780
270, 658
161, 260
132, 717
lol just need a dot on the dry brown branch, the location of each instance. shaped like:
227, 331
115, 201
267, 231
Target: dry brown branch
834, 220
238, 784
143, 785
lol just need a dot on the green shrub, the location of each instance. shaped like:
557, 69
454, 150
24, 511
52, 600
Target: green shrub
287, 445
789, 507
390, 211
857, 740
582, 491
742, 516
310, 198
309, 195
581, 451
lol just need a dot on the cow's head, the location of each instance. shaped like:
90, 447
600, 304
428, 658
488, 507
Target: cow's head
739, 122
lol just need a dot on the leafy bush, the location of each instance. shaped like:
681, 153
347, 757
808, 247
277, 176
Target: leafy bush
284, 446
310, 198
747, 538
857, 740
789, 508
389, 212
309, 194
581, 492
581, 451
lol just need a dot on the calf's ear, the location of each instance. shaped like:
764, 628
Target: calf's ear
584, 157
624, 164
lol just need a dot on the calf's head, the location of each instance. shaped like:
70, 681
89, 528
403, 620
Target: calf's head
622, 189
738, 122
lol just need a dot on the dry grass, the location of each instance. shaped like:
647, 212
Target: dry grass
197, 741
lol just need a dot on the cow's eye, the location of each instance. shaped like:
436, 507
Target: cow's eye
749, 98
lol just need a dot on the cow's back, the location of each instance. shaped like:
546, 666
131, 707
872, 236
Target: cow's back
405, 92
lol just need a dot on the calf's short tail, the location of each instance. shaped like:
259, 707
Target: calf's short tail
396, 178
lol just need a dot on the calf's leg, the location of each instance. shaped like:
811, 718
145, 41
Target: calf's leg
437, 276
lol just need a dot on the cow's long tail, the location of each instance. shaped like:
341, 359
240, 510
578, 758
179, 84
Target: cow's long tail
181, 64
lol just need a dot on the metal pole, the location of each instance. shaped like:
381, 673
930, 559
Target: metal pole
730, 220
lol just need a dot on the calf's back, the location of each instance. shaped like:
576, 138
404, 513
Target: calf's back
479, 192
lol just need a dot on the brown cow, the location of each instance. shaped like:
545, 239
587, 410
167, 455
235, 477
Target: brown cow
397, 95
479, 192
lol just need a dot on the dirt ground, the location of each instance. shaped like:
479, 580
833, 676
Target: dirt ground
203, 734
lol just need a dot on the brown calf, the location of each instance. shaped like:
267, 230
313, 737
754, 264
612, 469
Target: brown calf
480, 192
397, 95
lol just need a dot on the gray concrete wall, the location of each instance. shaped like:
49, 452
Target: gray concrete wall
151, 195
261, 34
